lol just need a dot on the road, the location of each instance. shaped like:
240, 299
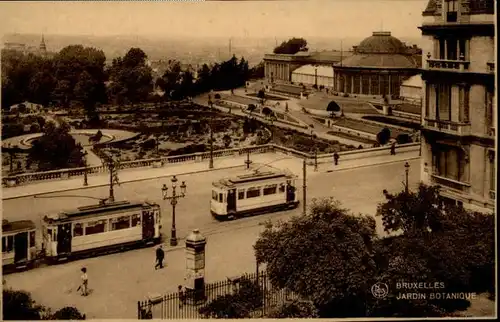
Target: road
119, 280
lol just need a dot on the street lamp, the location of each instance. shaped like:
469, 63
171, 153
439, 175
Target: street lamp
315, 149
173, 201
407, 170
85, 170
211, 161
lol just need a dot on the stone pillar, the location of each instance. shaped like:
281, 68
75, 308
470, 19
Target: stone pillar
195, 267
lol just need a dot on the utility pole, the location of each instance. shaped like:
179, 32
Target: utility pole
304, 186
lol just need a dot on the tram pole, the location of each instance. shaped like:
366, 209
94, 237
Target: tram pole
304, 186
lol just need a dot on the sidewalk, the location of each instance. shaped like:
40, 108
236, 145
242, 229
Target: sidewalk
137, 174
118, 281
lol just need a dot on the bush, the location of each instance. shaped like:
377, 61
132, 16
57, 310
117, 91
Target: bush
217, 96
149, 144
403, 138
68, 313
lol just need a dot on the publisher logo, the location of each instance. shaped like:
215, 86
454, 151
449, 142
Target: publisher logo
380, 290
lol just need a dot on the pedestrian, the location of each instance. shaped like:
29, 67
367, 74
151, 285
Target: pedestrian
85, 282
182, 296
160, 255
336, 158
393, 148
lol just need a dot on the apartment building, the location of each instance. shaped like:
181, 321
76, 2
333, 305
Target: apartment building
459, 106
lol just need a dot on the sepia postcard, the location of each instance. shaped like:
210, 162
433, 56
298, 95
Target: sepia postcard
328, 159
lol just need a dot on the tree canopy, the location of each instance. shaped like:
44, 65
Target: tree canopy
333, 107
384, 136
56, 148
333, 258
291, 46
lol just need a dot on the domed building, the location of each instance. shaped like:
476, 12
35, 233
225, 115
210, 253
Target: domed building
378, 66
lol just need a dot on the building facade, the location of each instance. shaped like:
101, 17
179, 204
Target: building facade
378, 67
459, 110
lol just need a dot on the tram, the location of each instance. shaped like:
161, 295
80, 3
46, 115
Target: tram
98, 228
18, 244
251, 194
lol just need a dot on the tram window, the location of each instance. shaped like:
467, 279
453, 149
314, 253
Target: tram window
220, 197
214, 195
49, 233
136, 220
120, 223
241, 194
253, 192
7, 244
269, 190
282, 187
95, 227
32, 239
78, 230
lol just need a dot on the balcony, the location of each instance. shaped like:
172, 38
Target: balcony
444, 64
456, 128
452, 184
491, 67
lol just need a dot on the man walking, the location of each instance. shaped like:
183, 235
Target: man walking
160, 255
336, 158
85, 282
393, 148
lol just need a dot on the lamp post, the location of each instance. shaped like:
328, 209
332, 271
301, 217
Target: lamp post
407, 170
248, 161
315, 150
85, 170
211, 161
113, 178
173, 201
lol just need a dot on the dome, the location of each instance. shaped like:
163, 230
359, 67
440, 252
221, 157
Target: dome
381, 42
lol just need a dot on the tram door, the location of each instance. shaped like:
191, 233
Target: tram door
290, 191
64, 239
20, 247
231, 201
148, 225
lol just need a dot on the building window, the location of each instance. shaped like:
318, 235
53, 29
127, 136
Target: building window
493, 177
270, 190
253, 192
32, 239
451, 10
95, 227
136, 220
241, 194
122, 222
357, 84
7, 244
395, 85
488, 102
374, 90
365, 84
450, 163
443, 102
214, 195
78, 230
427, 100
442, 47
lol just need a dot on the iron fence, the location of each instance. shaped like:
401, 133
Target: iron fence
187, 304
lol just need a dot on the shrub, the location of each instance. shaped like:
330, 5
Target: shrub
149, 144
68, 313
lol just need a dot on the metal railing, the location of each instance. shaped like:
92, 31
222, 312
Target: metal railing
200, 157
459, 65
192, 304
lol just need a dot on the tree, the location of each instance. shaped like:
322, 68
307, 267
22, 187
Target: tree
131, 78
258, 71
384, 136
68, 313
334, 272
291, 46
247, 298
267, 112
262, 95
227, 140
295, 310
18, 305
332, 108
56, 148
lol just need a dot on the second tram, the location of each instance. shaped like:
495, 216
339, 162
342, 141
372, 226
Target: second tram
18, 243
252, 194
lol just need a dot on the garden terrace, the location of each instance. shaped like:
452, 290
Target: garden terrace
408, 108
241, 99
393, 121
270, 97
320, 102
304, 143
288, 89
366, 127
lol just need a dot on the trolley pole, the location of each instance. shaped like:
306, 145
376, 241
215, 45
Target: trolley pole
304, 186
248, 162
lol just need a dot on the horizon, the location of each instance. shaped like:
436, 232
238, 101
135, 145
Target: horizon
249, 19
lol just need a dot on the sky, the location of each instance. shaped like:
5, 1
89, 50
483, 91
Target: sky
300, 18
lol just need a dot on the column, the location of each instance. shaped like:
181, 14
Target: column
445, 49
369, 84
361, 84
390, 85
352, 83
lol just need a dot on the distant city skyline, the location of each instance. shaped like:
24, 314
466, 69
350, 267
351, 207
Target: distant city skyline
253, 19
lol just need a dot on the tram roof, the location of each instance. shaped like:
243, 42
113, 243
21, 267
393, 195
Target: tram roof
93, 210
252, 177
18, 225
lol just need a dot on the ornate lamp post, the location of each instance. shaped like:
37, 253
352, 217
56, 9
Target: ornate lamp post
113, 178
173, 201
407, 170
211, 161
86, 169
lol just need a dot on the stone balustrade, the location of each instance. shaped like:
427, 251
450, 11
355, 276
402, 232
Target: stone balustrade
200, 156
